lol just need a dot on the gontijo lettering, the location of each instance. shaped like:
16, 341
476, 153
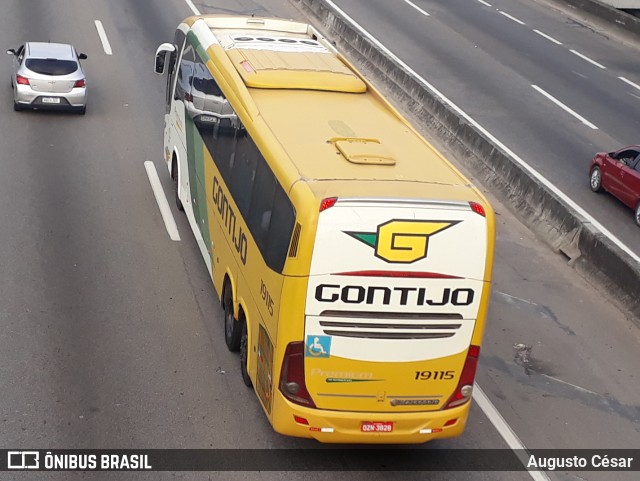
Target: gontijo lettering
229, 218
403, 296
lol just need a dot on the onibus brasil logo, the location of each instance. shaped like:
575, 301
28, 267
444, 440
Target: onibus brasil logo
402, 241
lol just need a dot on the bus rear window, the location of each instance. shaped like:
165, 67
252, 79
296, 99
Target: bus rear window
51, 66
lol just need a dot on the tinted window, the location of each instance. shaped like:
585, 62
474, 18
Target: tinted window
49, 66
178, 43
261, 200
259, 219
282, 219
244, 169
185, 73
222, 145
203, 81
627, 156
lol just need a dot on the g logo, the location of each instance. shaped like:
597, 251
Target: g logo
402, 241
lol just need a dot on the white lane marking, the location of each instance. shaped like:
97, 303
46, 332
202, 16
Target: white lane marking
564, 107
192, 7
584, 57
161, 199
103, 38
627, 81
510, 437
569, 384
511, 17
417, 8
485, 3
510, 298
634, 95
548, 37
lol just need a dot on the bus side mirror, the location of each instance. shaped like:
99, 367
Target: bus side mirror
161, 55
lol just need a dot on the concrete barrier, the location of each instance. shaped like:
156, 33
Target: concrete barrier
615, 17
590, 252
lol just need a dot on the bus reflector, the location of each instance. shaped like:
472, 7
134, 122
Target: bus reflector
292, 384
465, 385
300, 420
477, 208
328, 202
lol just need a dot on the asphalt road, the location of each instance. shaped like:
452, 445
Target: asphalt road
493, 59
110, 335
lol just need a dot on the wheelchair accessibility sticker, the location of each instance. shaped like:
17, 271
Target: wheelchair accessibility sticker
318, 346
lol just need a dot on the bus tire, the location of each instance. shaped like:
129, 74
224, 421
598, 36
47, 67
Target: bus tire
244, 354
174, 177
232, 328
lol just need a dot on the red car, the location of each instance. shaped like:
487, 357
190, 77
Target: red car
619, 174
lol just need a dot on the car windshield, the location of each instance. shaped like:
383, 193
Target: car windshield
51, 66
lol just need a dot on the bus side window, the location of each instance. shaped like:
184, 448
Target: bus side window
244, 171
223, 142
185, 73
179, 43
171, 68
283, 218
259, 219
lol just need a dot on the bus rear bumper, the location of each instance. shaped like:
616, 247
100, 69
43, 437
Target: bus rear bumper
347, 427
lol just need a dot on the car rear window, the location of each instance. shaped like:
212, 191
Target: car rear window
51, 66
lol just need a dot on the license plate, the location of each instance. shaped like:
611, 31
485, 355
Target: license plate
50, 100
376, 427
208, 118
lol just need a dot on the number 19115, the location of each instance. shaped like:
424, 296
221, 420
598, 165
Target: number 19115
434, 375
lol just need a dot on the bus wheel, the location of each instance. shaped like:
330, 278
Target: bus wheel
244, 354
174, 177
232, 328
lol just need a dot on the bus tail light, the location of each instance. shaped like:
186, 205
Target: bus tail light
465, 386
20, 80
328, 202
477, 208
292, 383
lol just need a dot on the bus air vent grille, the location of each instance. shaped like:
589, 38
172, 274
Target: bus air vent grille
293, 248
402, 327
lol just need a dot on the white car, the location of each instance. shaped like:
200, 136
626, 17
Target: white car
48, 76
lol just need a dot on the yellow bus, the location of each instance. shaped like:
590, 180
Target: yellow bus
353, 262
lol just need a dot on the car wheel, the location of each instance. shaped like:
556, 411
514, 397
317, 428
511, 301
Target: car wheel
82, 110
637, 214
174, 177
232, 328
17, 107
595, 180
244, 354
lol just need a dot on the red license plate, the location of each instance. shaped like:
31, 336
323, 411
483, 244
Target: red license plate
376, 427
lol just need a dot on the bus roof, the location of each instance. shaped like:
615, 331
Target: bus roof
330, 122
